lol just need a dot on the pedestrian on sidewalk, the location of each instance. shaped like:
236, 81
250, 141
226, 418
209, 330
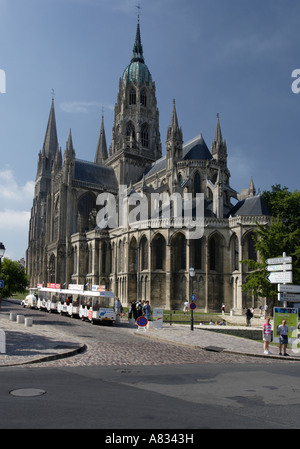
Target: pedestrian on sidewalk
249, 315
267, 336
223, 309
283, 332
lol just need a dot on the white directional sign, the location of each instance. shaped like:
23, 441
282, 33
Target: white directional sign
290, 297
285, 267
289, 288
280, 277
277, 260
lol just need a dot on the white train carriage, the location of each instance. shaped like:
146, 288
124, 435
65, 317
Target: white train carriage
98, 307
31, 300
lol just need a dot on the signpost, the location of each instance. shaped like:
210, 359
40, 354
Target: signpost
1, 284
142, 322
281, 274
289, 288
280, 277
290, 297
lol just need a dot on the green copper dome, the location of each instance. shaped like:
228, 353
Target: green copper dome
137, 71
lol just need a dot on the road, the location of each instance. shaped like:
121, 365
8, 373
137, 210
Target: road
130, 383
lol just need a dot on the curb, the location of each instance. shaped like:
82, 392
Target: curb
224, 351
49, 358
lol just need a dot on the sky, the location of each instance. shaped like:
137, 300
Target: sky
232, 57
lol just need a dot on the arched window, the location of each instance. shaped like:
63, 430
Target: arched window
212, 254
144, 253
159, 251
143, 98
130, 131
197, 184
145, 135
132, 96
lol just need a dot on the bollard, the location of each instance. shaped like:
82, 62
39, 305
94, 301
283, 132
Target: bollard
20, 319
13, 317
28, 322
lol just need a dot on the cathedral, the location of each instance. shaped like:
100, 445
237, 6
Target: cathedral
148, 261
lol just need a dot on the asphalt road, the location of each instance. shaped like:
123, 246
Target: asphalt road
182, 394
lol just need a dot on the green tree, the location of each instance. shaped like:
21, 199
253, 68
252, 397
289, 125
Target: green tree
282, 235
14, 277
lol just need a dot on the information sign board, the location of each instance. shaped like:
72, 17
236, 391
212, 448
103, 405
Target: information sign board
291, 317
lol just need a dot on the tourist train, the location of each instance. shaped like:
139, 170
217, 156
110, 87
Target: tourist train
93, 306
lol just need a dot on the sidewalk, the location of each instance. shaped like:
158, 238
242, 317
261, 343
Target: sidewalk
27, 345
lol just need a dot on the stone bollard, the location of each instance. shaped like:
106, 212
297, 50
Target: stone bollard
28, 322
20, 319
13, 317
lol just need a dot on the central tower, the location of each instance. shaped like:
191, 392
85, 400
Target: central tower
135, 137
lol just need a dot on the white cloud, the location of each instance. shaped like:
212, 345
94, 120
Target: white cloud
15, 205
11, 192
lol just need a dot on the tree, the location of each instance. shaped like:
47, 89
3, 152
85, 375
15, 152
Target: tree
14, 277
282, 235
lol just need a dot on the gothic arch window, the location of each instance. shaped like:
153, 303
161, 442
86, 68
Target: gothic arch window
133, 252
212, 254
178, 248
132, 96
197, 183
251, 250
235, 253
145, 135
159, 252
52, 271
103, 257
144, 98
86, 204
197, 246
130, 131
144, 253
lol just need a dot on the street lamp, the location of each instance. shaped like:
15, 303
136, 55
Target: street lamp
192, 274
2, 252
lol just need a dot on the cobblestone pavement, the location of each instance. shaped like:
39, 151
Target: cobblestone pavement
61, 341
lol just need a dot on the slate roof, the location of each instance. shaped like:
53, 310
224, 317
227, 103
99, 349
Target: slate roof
95, 174
196, 149
250, 206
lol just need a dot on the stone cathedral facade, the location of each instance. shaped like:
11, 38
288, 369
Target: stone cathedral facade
149, 261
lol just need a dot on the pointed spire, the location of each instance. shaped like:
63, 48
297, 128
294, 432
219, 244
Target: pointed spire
138, 48
218, 136
51, 142
174, 129
101, 152
69, 151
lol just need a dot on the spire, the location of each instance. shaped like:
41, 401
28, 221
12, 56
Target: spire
101, 152
174, 130
219, 147
218, 136
69, 151
138, 48
51, 143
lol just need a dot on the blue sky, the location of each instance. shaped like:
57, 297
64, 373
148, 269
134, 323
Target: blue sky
232, 57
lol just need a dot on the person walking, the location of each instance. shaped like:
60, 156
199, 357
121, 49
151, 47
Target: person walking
283, 332
147, 310
267, 336
248, 317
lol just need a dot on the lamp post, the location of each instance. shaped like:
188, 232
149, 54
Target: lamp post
192, 274
2, 252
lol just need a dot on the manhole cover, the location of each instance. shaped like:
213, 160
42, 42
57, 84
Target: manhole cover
27, 392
